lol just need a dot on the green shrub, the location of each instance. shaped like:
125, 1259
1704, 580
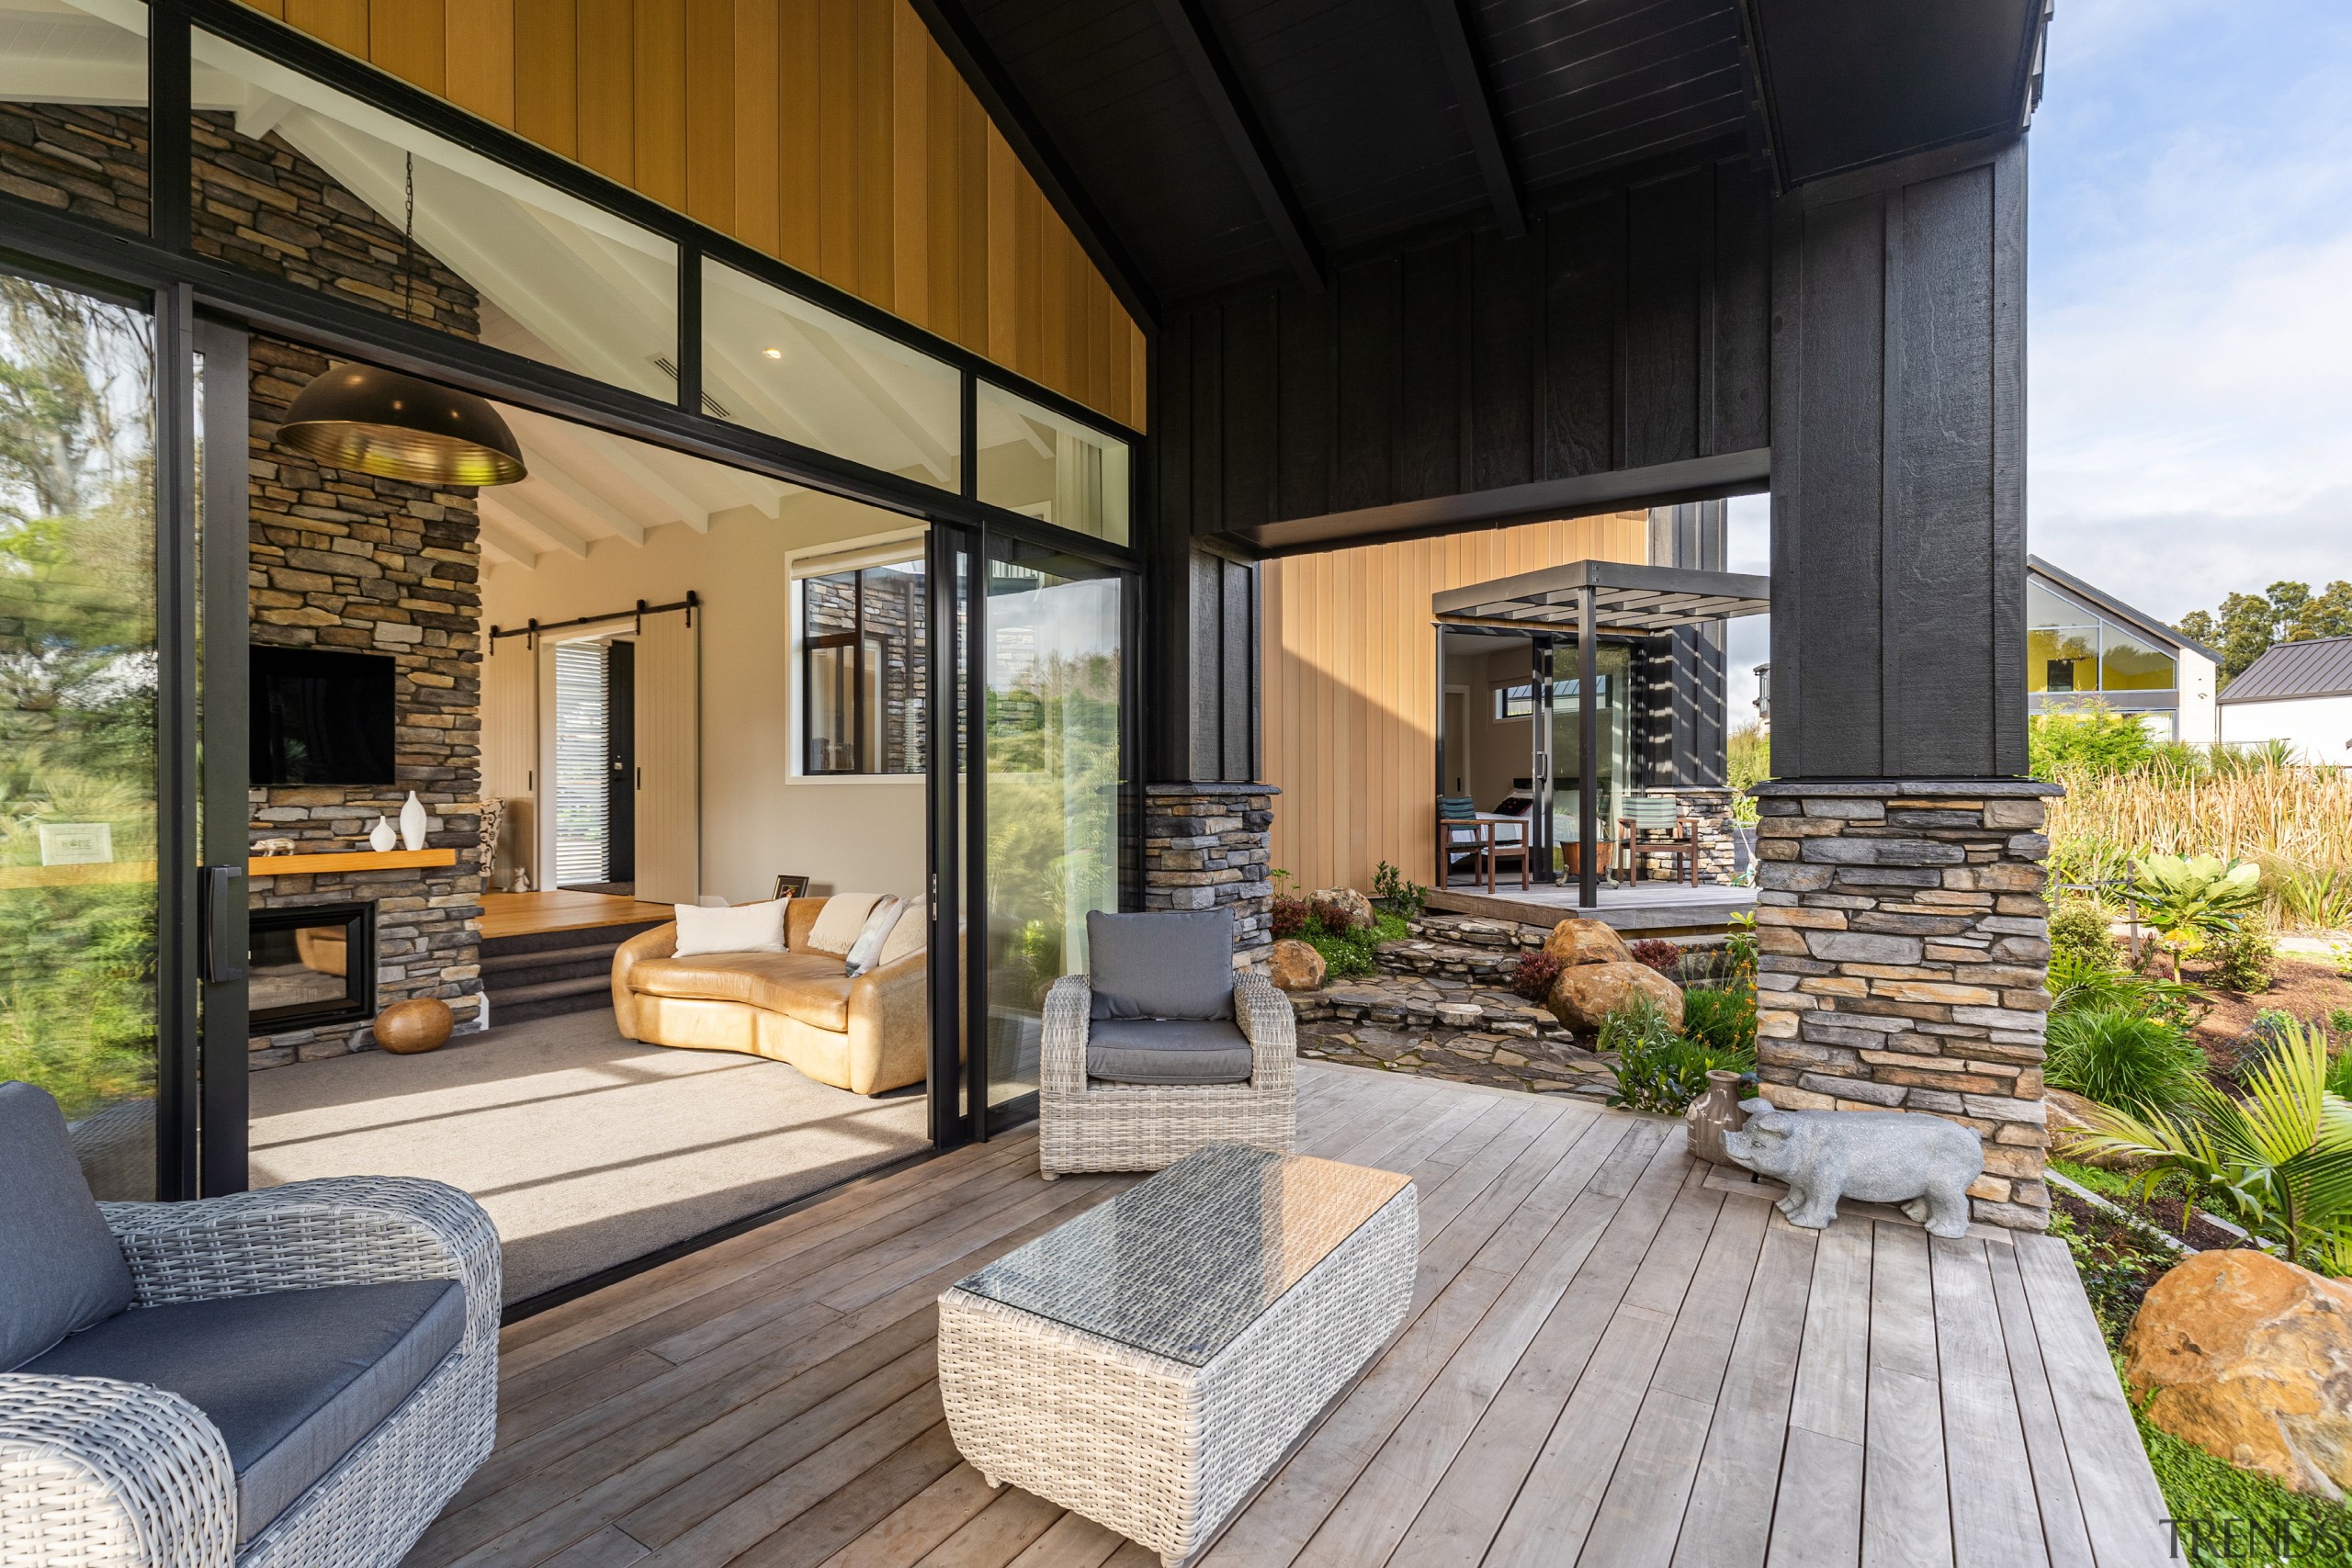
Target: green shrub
2078, 929
1657, 1068
1348, 950
1721, 1020
2243, 957
2124, 1058
1398, 892
2089, 739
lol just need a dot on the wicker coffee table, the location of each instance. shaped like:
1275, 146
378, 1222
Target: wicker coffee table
1150, 1363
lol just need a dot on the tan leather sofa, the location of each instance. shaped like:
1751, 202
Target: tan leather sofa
868, 1035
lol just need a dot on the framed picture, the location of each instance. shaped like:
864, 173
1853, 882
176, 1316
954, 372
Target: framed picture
790, 887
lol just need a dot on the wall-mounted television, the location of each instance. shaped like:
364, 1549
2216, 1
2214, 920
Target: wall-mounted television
321, 717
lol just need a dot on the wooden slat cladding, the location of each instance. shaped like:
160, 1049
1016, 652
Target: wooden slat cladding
1628, 330
832, 134
1348, 685
1898, 505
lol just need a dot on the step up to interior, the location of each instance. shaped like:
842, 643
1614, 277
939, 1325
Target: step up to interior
549, 974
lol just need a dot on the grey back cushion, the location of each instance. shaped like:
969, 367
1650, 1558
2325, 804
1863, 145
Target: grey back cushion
60, 1268
1171, 964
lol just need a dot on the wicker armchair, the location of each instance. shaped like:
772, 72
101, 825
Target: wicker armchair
1086, 1123
95, 1471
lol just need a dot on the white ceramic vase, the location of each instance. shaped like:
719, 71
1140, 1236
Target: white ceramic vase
414, 822
383, 837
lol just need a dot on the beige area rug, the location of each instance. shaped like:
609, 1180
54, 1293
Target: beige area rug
587, 1149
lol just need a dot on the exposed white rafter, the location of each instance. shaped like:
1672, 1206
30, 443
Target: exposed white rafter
559, 480
508, 545
518, 510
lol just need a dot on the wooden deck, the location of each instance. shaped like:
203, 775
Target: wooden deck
1612, 1360
562, 909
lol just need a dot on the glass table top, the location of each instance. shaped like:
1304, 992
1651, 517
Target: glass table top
1181, 1265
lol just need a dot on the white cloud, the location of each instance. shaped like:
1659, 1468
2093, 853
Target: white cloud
2190, 348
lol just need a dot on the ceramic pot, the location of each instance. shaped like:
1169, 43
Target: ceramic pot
1715, 1114
383, 838
414, 820
421, 1023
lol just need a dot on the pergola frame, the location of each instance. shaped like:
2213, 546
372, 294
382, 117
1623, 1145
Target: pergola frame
1595, 599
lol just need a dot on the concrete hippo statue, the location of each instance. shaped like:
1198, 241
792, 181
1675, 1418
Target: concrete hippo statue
1924, 1163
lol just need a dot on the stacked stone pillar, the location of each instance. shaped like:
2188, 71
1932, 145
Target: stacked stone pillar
1208, 846
1904, 945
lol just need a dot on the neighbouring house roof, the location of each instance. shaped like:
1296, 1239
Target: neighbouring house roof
1627, 598
2107, 604
2319, 668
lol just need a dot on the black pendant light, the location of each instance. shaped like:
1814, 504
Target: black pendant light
378, 421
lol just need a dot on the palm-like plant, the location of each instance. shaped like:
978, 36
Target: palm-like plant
2279, 1161
2189, 898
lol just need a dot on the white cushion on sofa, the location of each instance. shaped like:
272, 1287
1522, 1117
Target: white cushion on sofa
746, 927
910, 935
839, 922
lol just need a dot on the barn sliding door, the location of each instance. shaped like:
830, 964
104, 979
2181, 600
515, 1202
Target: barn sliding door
669, 757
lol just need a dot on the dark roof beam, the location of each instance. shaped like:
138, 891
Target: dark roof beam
1197, 43
1469, 74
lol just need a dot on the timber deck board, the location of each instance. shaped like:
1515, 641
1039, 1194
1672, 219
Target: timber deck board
1608, 1361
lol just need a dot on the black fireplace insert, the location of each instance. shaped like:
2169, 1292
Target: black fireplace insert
312, 964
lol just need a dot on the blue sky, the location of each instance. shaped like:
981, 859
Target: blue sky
2189, 304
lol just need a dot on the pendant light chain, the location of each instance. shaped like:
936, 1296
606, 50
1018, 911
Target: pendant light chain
408, 247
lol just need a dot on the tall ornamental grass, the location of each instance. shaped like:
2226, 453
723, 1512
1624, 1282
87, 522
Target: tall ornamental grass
2295, 822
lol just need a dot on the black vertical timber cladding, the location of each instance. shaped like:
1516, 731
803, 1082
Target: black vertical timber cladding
1309, 393
1898, 548
1429, 435
1372, 328
1584, 301
1666, 277
1505, 327
1630, 326
1739, 336
1249, 412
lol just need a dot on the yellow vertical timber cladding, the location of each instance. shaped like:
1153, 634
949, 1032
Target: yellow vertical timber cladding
1349, 684
832, 134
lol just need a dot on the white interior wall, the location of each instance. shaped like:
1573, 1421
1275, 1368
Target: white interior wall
862, 835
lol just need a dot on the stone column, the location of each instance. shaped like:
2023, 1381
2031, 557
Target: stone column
1208, 845
1904, 946
1710, 807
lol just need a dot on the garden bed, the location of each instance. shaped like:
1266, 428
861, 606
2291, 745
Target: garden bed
2303, 988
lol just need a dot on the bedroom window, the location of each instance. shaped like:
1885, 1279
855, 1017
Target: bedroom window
862, 669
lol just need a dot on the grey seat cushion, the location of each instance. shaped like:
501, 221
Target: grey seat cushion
1171, 964
1167, 1051
60, 1270
293, 1379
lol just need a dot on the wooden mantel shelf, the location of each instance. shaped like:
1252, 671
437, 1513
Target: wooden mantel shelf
362, 860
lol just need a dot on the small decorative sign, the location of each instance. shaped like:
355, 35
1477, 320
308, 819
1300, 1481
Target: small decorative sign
76, 843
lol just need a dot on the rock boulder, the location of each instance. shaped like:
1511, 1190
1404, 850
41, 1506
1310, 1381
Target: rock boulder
2250, 1359
1585, 942
2069, 1116
1358, 907
1297, 966
1583, 997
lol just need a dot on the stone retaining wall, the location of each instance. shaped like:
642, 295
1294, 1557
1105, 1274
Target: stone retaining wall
1209, 846
1904, 943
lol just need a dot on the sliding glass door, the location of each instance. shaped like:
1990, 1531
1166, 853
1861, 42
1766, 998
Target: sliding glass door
98, 984
1028, 764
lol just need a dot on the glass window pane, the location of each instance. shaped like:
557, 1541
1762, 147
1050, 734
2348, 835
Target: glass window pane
309, 185
1051, 650
775, 362
2128, 663
865, 668
898, 667
2061, 659
829, 631
73, 107
1050, 468
2043, 608
78, 664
